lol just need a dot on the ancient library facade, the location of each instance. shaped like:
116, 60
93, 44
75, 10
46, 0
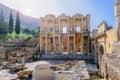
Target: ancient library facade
65, 34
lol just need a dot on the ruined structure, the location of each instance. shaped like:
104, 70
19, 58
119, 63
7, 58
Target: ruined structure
105, 44
110, 67
65, 34
43, 72
102, 41
14, 50
117, 14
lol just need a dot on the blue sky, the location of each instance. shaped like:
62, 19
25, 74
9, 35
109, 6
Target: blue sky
100, 10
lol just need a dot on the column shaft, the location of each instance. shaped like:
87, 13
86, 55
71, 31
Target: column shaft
59, 44
40, 43
68, 45
74, 44
82, 44
46, 43
54, 50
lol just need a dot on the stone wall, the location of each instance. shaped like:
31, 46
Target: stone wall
111, 63
33, 42
116, 48
12, 47
2, 53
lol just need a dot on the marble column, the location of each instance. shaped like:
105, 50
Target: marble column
47, 30
82, 51
74, 36
54, 44
68, 45
46, 44
88, 45
59, 44
54, 47
74, 45
40, 43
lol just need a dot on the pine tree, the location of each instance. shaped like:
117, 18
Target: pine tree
17, 24
11, 22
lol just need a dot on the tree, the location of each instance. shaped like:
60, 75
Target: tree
3, 24
17, 24
11, 22
26, 30
33, 32
38, 29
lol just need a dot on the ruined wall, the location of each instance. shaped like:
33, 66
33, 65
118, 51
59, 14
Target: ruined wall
33, 42
111, 63
111, 37
2, 53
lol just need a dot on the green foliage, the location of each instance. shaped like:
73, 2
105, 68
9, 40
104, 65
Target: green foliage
22, 28
15, 31
3, 24
37, 35
27, 39
38, 29
27, 31
3, 36
17, 25
14, 35
11, 23
33, 32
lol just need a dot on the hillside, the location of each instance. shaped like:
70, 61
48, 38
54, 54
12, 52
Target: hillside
26, 21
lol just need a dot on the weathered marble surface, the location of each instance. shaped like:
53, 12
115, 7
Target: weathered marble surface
43, 72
